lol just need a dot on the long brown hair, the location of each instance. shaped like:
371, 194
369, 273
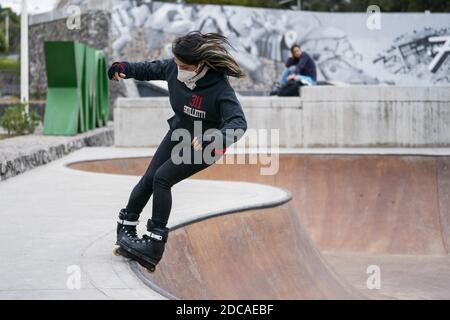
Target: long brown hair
196, 47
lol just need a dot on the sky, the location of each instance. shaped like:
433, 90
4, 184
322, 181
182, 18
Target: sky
34, 6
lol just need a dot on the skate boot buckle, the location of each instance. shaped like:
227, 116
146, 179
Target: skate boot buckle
155, 236
128, 223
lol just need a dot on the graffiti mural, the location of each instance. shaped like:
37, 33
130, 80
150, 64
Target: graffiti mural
344, 49
421, 55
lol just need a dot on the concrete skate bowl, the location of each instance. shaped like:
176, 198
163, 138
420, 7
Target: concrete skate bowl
349, 215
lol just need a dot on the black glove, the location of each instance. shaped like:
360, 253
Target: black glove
119, 67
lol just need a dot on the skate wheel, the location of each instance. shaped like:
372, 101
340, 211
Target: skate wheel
116, 252
151, 269
121, 253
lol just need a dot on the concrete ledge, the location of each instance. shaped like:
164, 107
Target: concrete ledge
323, 117
376, 94
23, 153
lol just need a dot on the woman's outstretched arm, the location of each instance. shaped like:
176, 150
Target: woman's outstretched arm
143, 71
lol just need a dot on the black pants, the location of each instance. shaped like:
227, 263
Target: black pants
158, 180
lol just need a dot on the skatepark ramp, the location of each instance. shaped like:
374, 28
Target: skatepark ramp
348, 212
259, 254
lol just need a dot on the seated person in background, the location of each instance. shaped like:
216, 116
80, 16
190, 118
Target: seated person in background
300, 67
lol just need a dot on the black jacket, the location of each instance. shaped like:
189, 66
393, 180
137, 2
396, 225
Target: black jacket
306, 66
291, 61
213, 101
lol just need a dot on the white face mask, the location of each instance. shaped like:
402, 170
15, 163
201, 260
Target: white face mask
185, 75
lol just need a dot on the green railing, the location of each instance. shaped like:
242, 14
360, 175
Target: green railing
78, 88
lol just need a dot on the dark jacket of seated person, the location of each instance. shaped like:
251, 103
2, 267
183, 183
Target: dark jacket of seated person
306, 66
291, 61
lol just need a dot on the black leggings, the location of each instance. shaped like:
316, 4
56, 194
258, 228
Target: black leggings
158, 180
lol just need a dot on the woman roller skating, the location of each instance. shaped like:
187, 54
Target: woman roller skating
206, 110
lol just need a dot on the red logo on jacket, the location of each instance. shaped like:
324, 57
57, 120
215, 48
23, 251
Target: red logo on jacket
196, 101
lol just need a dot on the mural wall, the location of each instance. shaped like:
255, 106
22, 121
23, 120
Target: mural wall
409, 49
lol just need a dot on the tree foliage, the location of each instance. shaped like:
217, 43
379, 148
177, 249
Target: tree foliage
339, 5
14, 30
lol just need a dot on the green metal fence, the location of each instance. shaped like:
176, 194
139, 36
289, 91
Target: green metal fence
78, 88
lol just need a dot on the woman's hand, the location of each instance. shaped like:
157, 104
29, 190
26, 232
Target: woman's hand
291, 77
116, 71
118, 76
207, 140
196, 144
